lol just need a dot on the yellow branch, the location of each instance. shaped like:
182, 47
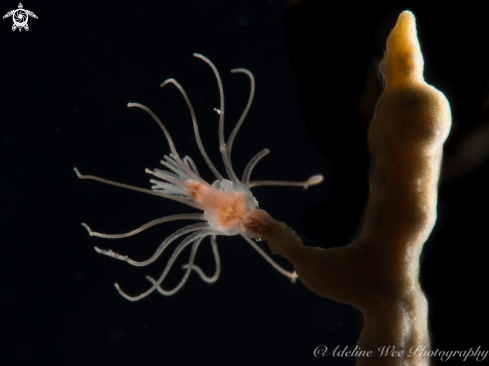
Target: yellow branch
379, 272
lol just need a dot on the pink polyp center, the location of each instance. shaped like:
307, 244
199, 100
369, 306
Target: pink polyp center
224, 210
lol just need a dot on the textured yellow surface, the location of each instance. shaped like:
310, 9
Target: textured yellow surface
379, 272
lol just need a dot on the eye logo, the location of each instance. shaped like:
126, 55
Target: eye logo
20, 17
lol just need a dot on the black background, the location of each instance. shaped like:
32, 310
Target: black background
64, 88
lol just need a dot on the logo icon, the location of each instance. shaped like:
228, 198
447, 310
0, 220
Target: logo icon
20, 17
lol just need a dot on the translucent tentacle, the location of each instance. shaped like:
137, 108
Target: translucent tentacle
155, 193
251, 165
315, 179
170, 142
161, 248
158, 121
201, 273
174, 167
145, 226
170, 189
292, 275
222, 144
172, 259
164, 292
169, 177
196, 127
188, 160
229, 145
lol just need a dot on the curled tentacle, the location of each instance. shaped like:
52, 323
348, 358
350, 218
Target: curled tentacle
189, 239
201, 273
164, 292
161, 248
